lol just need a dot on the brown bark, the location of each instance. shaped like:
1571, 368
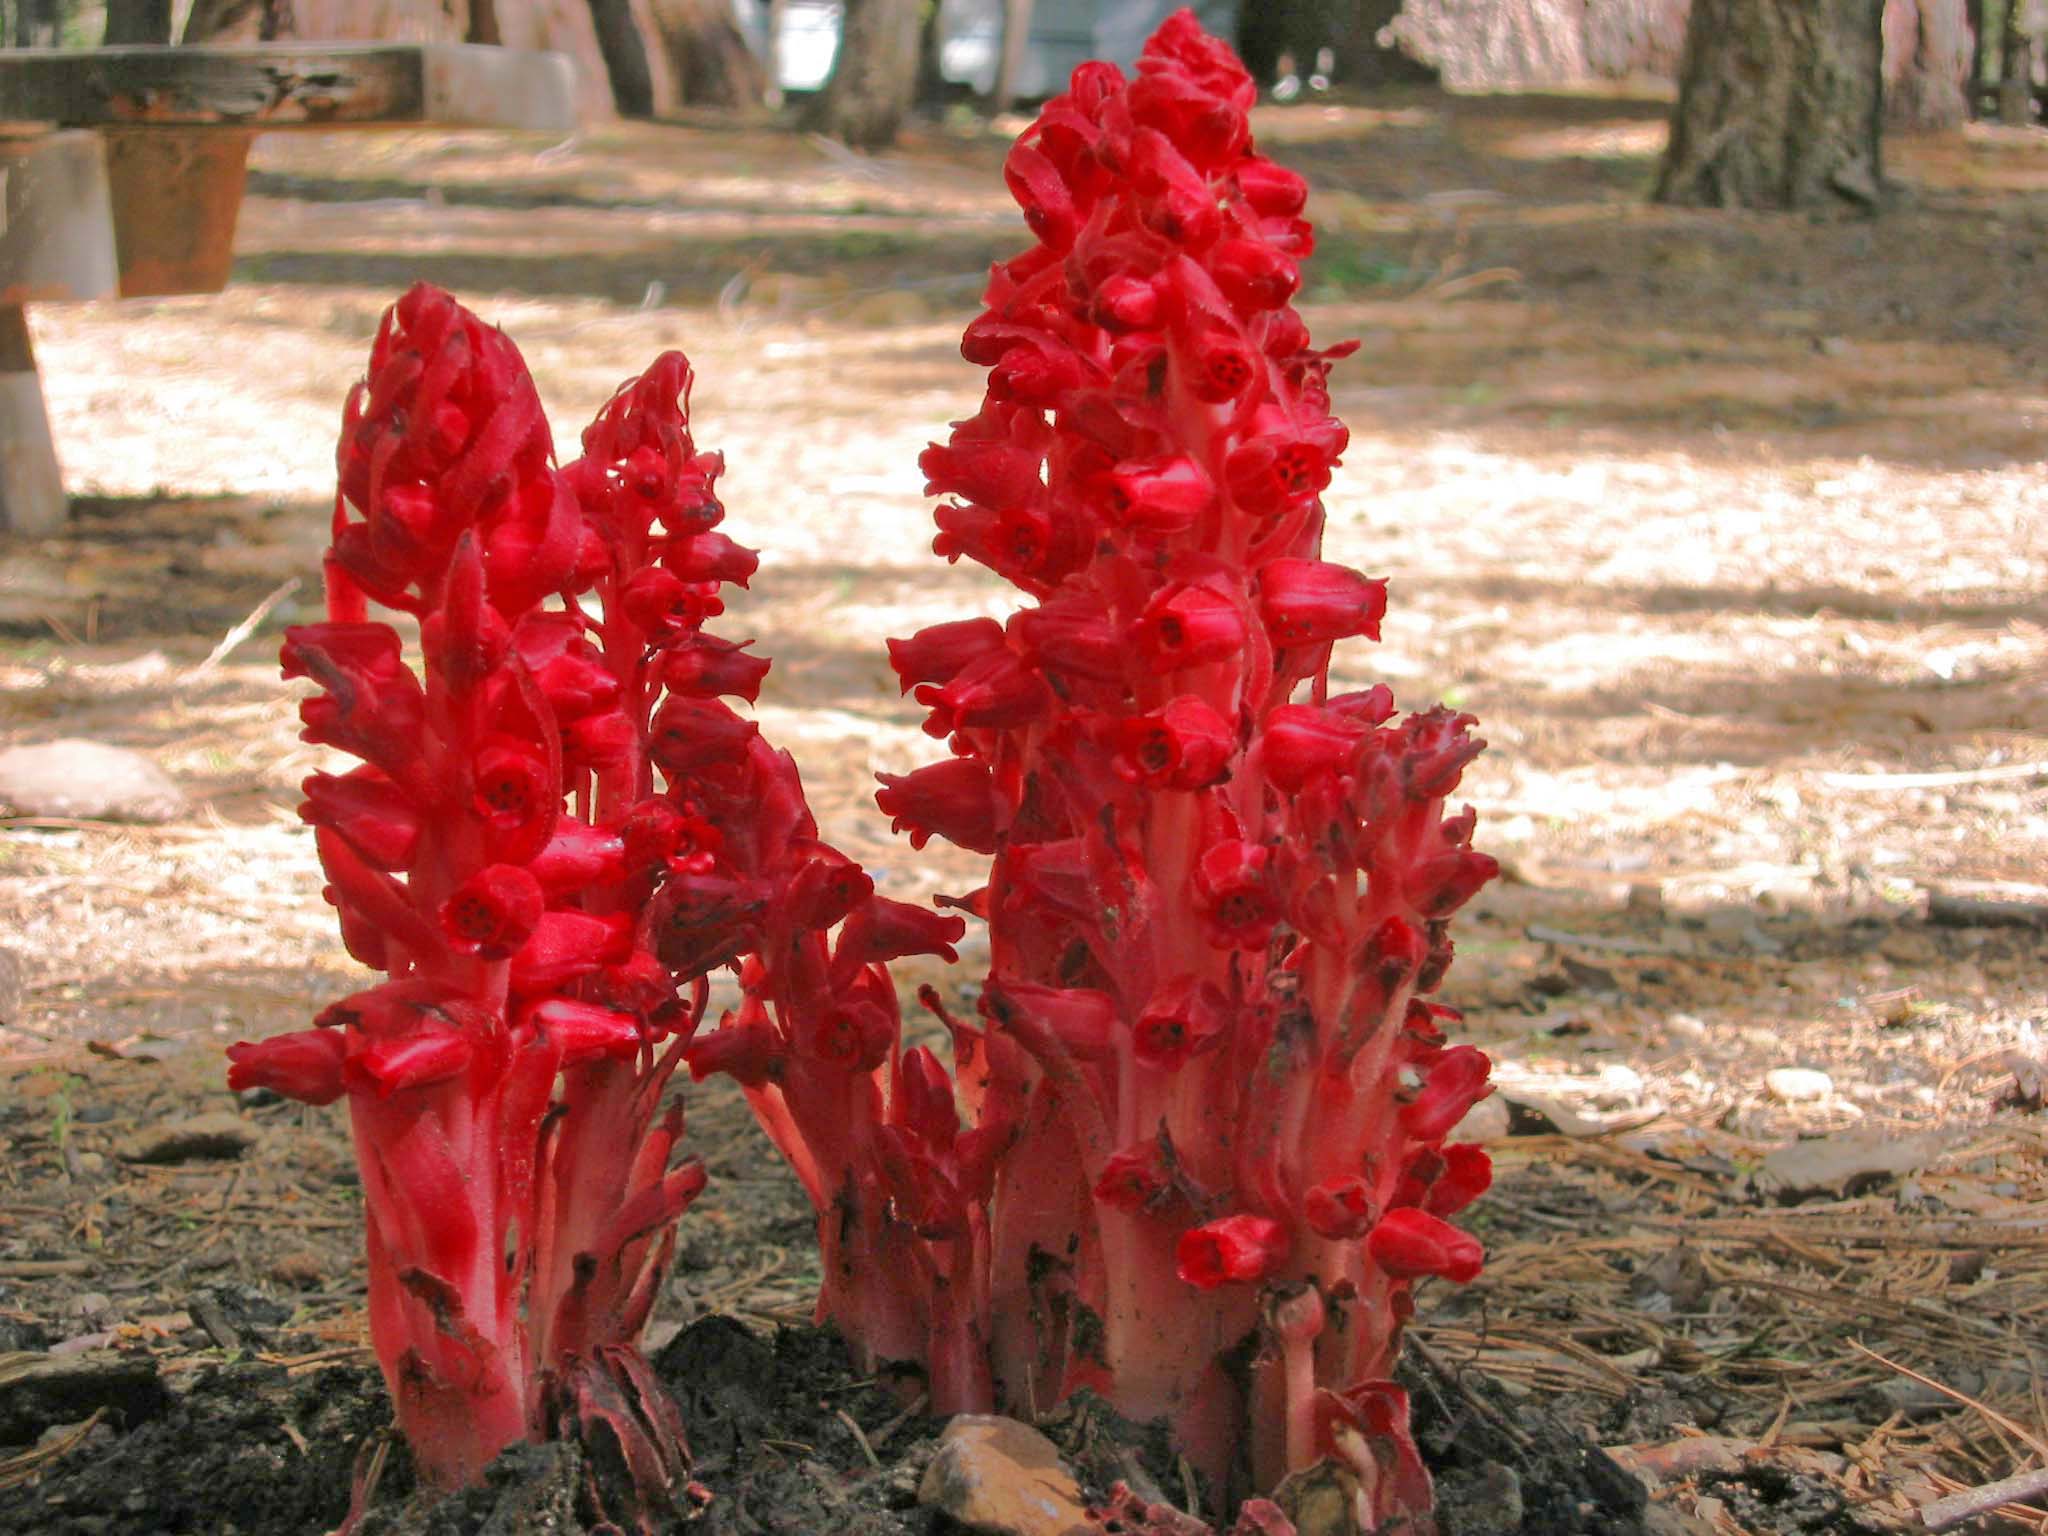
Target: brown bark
2016, 69
714, 67
624, 52
874, 77
1779, 106
1927, 91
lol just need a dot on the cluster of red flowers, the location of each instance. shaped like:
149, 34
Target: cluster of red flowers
548, 913
1220, 895
1194, 1154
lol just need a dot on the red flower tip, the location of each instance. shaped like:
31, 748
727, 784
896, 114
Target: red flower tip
881, 929
856, 1036
1340, 1208
707, 667
690, 736
1236, 890
749, 1052
1187, 745
1300, 742
824, 888
1452, 1084
1253, 275
494, 912
1270, 475
658, 601
372, 815
1467, 1174
585, 1031
1162, 495
1184, 1017
1441, 885
1236, 1249
1409, 1243
1306, 602
955, 799
710, 558
512, 786
994, 692
939, 653
1135, 1179
1082, 1020
303, 1065
1185, 626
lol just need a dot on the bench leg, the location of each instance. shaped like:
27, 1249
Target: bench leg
31, 487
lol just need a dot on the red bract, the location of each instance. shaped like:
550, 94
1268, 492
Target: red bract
1218, 894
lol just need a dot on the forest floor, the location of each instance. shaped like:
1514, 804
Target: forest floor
1732, 530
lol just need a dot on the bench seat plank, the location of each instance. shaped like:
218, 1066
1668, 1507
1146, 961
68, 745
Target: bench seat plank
273, 86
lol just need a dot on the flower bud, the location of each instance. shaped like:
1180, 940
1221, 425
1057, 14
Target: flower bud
1185, 746
1453, 1083
303, 1065
1340, 1209
940, 652
1235, 888
1237, 1249
1409, 1244
1306, 602
493, 913
955, 799
1185, 626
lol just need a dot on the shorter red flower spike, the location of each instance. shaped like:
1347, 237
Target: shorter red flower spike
1234, 1250
494, 912
1409, 1244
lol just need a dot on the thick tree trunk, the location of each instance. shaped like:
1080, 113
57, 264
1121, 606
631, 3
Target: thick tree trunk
714, 67
874, 77
1779, 106
2016, 69
137, 21
1928, 92
625, 57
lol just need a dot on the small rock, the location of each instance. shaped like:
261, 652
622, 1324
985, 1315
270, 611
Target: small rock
87, 780
1798, 1085
215, 1135
1683, 1026
88, 1305
300, 1269
1843, 1166
1485, 1121
1617, 1087
1002, 1478
84, 1165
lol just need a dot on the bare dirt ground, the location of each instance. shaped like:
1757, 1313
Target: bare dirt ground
1733, 530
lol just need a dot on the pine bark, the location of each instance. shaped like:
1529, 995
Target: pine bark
1780, 105
714, 67
874, 78
625, 57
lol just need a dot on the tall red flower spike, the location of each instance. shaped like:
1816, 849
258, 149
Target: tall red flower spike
1220, 896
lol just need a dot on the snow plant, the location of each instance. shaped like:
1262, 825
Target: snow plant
1220, 894
558, 829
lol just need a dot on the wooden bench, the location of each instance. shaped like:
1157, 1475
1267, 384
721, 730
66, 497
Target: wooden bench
124, 170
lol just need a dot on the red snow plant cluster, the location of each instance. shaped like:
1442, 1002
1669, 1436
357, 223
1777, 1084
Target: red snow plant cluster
1192, 1154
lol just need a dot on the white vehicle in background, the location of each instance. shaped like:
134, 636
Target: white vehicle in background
1063, 34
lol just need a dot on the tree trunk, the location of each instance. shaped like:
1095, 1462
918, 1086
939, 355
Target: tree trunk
874, 76
1779, 106
714, 67
210, 19
625, 57
771, 90
483, 23
1927, 95
2016, 69
137, 21
1010, 62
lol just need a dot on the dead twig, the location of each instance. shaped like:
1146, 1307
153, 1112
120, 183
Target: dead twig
2020, 1488
242, 631
1940, 780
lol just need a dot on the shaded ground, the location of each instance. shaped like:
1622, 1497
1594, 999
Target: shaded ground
1729, 528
